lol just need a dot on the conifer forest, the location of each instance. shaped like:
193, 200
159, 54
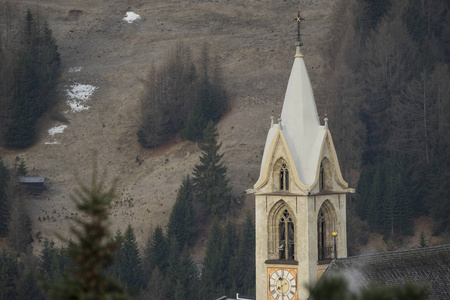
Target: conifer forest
388, 94
386, 86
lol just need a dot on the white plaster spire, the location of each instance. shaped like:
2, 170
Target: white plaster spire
301, 125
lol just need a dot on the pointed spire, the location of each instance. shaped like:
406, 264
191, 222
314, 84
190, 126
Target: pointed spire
326, 120
272, 120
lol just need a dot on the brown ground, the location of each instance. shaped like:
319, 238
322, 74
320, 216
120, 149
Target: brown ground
255, 43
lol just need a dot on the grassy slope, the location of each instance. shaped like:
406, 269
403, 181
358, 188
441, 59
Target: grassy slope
252, 39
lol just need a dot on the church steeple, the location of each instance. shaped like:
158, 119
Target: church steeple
299, 196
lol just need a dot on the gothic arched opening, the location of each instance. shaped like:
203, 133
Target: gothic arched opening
325, 175
281, 171
281, 232
326, 225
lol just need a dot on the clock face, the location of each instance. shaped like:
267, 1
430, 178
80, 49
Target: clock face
282, 284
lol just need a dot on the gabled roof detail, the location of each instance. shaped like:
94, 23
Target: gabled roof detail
276, 139
328, 142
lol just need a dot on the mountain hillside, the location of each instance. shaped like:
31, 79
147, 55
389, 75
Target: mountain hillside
105, 62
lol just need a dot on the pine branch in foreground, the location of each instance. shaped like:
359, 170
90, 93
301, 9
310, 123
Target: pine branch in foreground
91, 250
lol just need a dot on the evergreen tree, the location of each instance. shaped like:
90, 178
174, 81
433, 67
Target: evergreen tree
114, 270
91, 252
248, 249
4, 205
189, 279
181, 220
159, 248
422, 240
36, 74
210, 182
28, 288
391, 204
376, 195
6, 80
241, 268
21, 167
363, 194
438, 196
155, 286
129, 262
53, 262
19, 227
8, 276
227, 253
213, 264
171, 281
374, 11
146, 258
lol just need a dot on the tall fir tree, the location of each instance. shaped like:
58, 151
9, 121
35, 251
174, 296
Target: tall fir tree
181, 220
188, 281
129, 262
210, 181
172, 274
117, 240
211, 285
159, 247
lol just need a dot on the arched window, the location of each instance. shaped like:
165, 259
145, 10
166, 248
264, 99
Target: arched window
321, 177
286, 234
325, 175
284, 177
326, 225
281, 231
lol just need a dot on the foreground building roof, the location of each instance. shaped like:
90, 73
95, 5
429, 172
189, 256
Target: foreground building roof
426, 266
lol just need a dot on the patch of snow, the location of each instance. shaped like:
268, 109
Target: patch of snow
78, 94
57, 129
131, 16
75, 69
52, 143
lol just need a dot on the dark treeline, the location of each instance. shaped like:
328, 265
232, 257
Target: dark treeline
29, 71
181, 94
389, 95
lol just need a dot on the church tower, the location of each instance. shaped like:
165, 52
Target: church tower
300, 216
